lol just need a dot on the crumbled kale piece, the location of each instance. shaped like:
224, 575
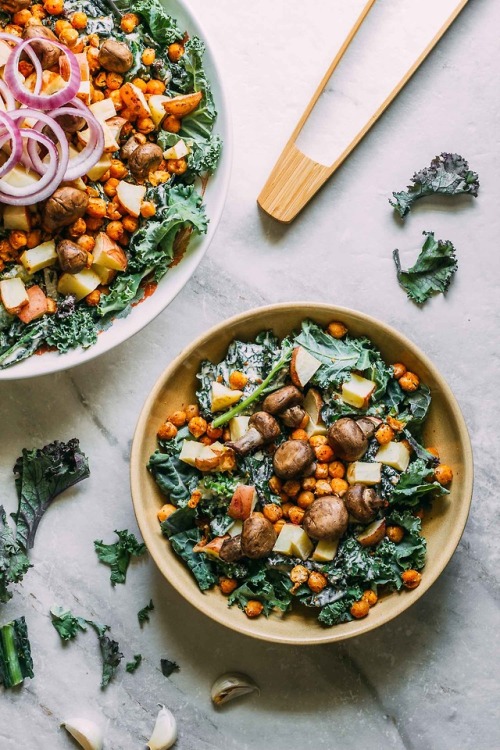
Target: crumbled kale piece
432, 272
131, 666
143, 614
119, 554
13, 560
448, 174
168, 667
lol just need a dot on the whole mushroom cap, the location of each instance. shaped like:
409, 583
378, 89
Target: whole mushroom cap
115, 56
265, 424
258, 537
347, 439
72, 257
326, 518
362, 502
293, 458
282, 399
65, 205
145, 159
231, 549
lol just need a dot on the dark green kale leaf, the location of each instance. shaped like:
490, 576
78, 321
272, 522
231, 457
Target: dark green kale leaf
448, 174
66, 624
69, 331
183, 544
339, 611
13, 560
143, 614
41, 475
259, 470
119, 554
174, 477
163, 27
15, 653
266, 586
124, 291
168, 667
414, 485
432, 272
131, 666
219, 484
20, 341
182, 519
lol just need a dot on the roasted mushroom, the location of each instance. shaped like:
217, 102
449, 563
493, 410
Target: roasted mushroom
71, 123
231, 549
48, 53
294, 458
282, 399
347, 439
326, 518
145, 159
258, 537
14, 6
362, 502
115, 56
293, 416
130, 146
368, 426
72, 257
63, 207
262, 429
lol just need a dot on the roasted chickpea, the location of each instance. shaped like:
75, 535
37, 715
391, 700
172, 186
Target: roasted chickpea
324, 453
396, 424
93, 298
433, 451
22, 17
299, 575
322, 488
96, 208
272, 512
178, 418
321, 471
167, 431
286, 508
398, 370
148, 56
131, 223
54, 7
337, 330
129, 22
296, 515
79, 20
115, 230
141, 84
171, 124
175, 52
339, 486
279, 525
110, 186
146, 125
237, 380
192, 410
33, 238
384, 434
395, 534
336, 470
69, 36
176, 166
370, 597
309, 483
317, 581
360, 609
411, 579
118, 170
60, 25
148, 209
165, 511
409, 382
78, 228
316, 440
86, 242
305, 499
197, 426
94, 224
114, 81
155, 87
194, 499
227, 585
253, 608
214, 433
18, 239
275, 485
291, 487
38, 11
443, 473
299, 435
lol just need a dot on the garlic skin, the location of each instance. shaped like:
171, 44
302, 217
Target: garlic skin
232, 685
165, 730
88, 734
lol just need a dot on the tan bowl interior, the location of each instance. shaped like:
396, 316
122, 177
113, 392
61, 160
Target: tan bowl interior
445, 428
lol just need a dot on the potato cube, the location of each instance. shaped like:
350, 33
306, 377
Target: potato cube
39, 257
222, 396
79, 284
364, 472
13, 295
190, 451
238, 426
357, 391
394, 454
293, 540
325, 550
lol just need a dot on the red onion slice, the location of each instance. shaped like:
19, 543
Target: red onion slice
41, 101
28, 195
43, 119
9, 100
32, 56
8, 124
90, 155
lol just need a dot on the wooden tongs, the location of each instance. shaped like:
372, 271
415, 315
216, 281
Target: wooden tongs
295, 178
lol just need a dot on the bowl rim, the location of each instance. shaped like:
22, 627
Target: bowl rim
359, 627
52, 362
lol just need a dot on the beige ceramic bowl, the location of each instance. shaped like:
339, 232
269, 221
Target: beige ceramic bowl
445, 428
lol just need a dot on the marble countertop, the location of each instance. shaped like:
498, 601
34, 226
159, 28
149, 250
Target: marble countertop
422, 682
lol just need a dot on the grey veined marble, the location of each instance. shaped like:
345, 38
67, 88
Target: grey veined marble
425, 681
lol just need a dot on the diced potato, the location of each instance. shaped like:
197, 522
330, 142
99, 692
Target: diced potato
243, 502
373, 534
13, 295
105, 274
21, 177
222, 396
17, 217
111, 129
178, 151
108, 253
212, 549
156, 108
98, 170
131, 196
394, 454
313, 404
39, 257
238, 426
303, 366
207, 460
236, 528
190, 451
364, 472
357, 391
36, 307
51, 82
293, 540
5, 51
134, 99
83, 92
103, 110
183, 105
83, 63
325, 550
80, 284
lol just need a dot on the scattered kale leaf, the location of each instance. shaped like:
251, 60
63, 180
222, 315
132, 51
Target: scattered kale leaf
131, 666
111, 657
414, 484
67, 624
432, 272
15, 653
168, 667
448, 174
143, 614
119, 554
183, 544
13, 560
41, 475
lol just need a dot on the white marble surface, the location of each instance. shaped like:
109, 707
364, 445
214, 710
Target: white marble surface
423, 682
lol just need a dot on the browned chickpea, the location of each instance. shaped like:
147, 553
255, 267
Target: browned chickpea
114, 81
194, 499
79, 20
175, 52
131, 223
118, 170
146, 125
323, 488
337, 329
305, 499
286, 508
299, 575
279, 525
317, 440
317, 581
321, 471
110, 187
177, 166
148, 56
443, 473
33, 238
227, 585
396, 424
296, 515
291, 487
370, 597
409, 382
165, 511
411, 579
299, 435
324, 453
214, 433
237, 380
192, 410
129, 22
309, 483
360, 609
155, 87
69, 36
384, 434
275, 485
22, 17
115, 230
178, 418
96, 208
398, 370
336, 470
339, 486
197, 426
395, 534
167, 431
253, 608
272, 512
171, 124
148, 209
93, 298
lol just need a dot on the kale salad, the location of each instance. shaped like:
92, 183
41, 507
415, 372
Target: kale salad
103, 188
299, 476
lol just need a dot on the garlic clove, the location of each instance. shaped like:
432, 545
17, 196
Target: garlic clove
232, 685
88, 734
165, 730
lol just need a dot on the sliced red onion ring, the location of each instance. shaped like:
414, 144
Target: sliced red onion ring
9, 100
32, 56
13, 134
90, 155
43, 119
41, 101
28, 195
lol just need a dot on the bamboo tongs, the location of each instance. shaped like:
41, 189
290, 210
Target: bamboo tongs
295, 178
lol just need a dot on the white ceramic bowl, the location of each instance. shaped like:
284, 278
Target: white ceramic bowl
177, 277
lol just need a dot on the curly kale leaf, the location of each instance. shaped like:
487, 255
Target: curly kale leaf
20, 341
41, 475
168, 667
432, 272
448, 174
67, 331
271, 588
110, 654
143, 614
163, 27
200, 567
339, 611
131, 666
414, 484
67, 625
183, 519
124, 291
13, 560
119, 554
174, 477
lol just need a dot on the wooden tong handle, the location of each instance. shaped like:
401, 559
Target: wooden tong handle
295, 178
